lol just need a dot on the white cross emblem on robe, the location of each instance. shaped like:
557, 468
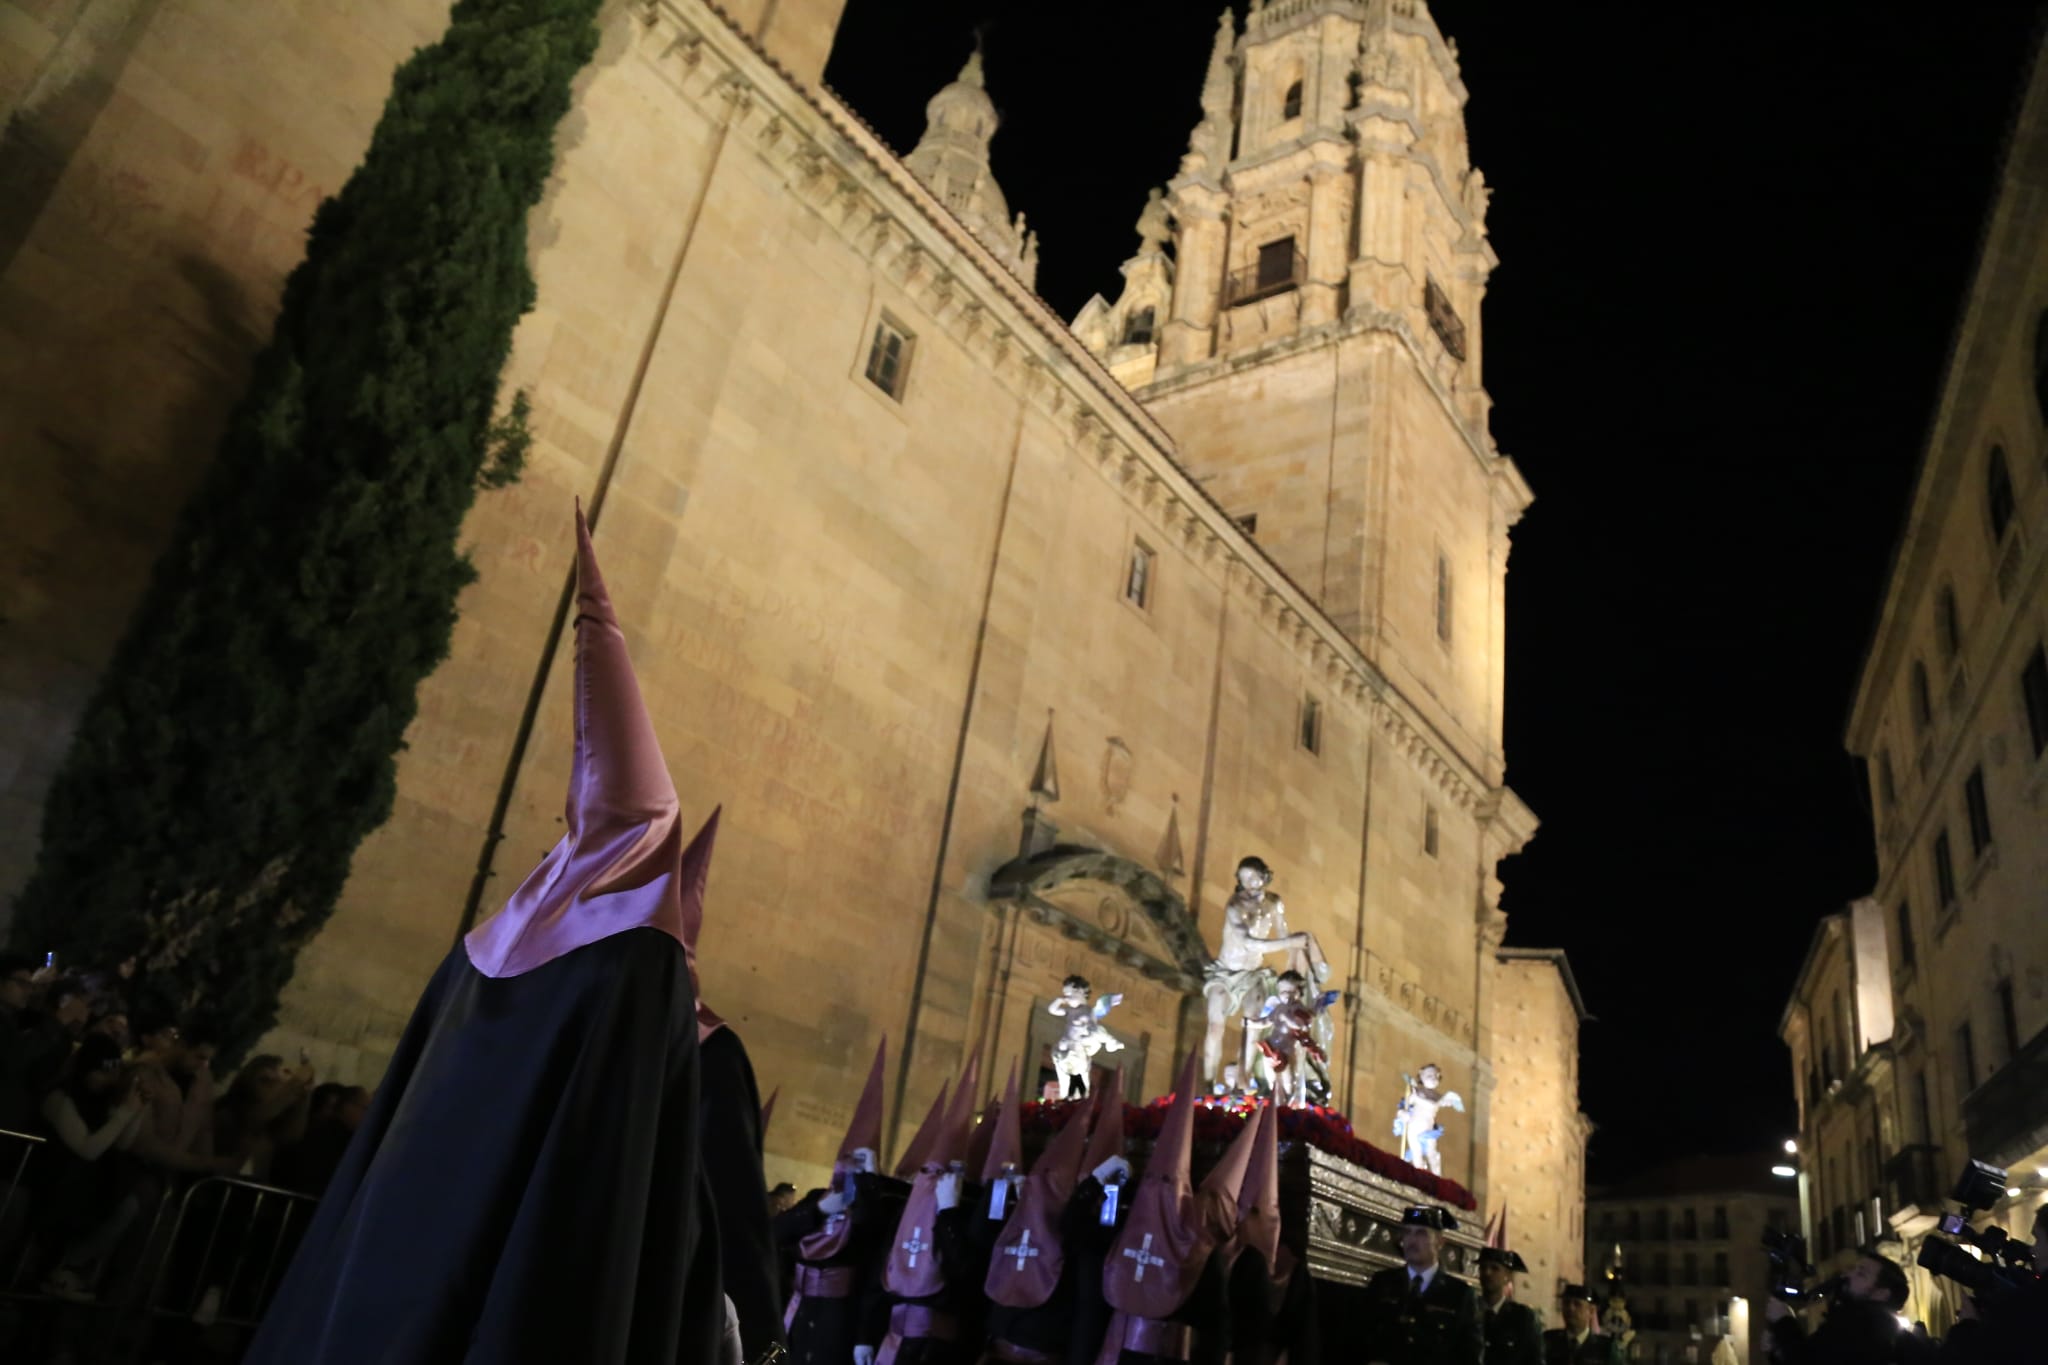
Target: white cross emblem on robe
1142, 1254
1023, 1251
916, 1244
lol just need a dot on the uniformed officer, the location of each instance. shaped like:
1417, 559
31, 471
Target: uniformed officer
1417, 1313
1514, 1335
1580, 1341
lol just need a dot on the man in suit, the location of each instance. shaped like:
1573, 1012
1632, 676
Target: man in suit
1514, 1336
1580, 1341
1417, 1313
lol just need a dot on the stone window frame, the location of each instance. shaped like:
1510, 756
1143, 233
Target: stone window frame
1148, 592
1308, 725
880, 316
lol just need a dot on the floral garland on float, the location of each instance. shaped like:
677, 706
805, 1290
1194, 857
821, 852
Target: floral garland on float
1218, 1121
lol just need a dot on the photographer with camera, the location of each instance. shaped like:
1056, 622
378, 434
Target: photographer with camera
1861, 1326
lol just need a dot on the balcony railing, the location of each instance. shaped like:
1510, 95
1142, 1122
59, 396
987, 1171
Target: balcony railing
2007, 1116
1263, 279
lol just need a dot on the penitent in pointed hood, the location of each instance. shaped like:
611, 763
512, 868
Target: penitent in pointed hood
1258, 1198
1006, 1136
622, 863
914, 1270
866, 1128
1025, 1268
920, 1144
1157, 1258
1108, 1140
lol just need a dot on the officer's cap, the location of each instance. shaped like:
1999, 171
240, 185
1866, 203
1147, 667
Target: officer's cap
1425, 1216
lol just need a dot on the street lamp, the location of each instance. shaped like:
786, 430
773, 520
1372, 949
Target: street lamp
1791, 1147
1784, 1172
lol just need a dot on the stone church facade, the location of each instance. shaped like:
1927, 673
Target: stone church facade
999, 640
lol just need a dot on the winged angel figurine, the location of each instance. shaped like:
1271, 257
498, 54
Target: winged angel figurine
1415, 1121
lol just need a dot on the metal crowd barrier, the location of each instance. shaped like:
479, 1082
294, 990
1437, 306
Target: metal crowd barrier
248, 1241
15, 1151
211, 1253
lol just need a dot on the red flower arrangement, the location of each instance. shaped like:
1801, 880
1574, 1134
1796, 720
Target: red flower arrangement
1324, 1129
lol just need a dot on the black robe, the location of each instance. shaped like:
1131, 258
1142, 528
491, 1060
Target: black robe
526, 1187
1268, 1320
731, 1126
825, 1331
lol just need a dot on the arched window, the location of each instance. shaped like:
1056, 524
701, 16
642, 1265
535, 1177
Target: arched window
1998, 493
1948, 625
1923, 700
1138, 328
1291, 106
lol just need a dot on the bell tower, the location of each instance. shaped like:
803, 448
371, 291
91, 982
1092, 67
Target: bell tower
1319, 360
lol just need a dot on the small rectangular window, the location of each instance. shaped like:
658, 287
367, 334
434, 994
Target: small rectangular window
1944, 872
1906, 946
1443, 597
1429, 830
2034, 688
1311, 736
2009, 1018
1248, 523
1138, 580
1276, 263
889, 357
1966, 1058
1887, 784
1980, 812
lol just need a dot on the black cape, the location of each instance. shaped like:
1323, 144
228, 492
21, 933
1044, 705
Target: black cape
526, 1186
731, 1126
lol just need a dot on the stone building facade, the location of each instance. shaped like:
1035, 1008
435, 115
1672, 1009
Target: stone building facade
1683, 1245
1539, 1134
1838, 1028
1951, 719
925, 586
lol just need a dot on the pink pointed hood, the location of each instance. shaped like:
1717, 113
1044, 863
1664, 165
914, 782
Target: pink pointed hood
622, 863
1029, 1255
1158, 1257
913, 1270
1258, 1199
921, 1141
864, 1130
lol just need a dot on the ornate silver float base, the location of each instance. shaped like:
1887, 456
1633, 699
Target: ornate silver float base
1348, 1218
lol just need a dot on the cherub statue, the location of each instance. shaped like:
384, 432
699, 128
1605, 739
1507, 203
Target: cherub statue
1415, 1121
1085, 1035
1295, 1059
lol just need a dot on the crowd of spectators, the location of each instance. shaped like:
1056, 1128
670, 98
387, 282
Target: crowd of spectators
128, 1113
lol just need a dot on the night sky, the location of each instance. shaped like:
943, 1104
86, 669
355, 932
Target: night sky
1733, 243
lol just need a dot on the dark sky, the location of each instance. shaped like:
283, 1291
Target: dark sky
1733, 242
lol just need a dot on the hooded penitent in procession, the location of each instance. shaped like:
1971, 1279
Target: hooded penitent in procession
1162, 1257
840, 1239
529, 1182
933, 1273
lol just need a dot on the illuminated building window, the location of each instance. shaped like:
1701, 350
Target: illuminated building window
1998, 499
2034, 691
1944, 872
1291, 106
1980, 812
1311, 735
1429, 830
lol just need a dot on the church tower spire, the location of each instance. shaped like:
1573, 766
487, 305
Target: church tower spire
1315, 306
952, 159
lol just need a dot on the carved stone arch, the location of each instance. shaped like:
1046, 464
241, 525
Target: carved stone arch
1030, 881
